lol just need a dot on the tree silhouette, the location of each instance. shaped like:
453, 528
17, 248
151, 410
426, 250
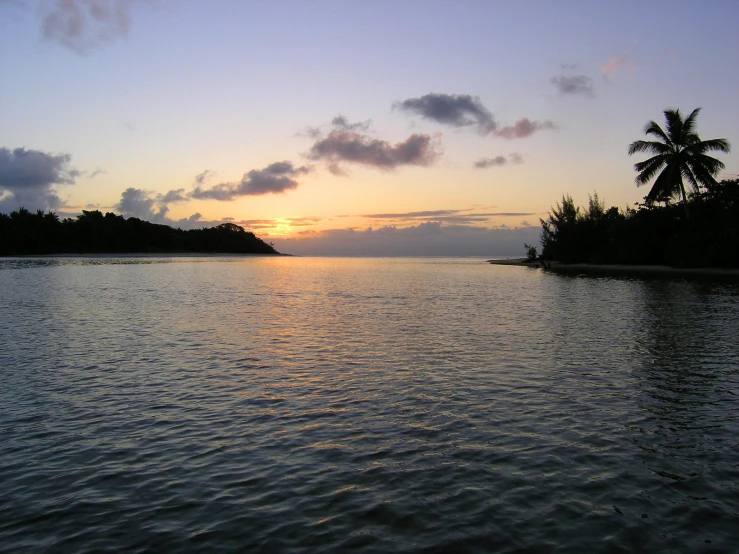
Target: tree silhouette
23, 232
679, 156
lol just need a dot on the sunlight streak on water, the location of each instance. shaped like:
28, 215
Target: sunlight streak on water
312, 404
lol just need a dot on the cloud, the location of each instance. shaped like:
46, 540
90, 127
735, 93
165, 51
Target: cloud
311, 132
425, 239
27, 178
98, 171
515, 158
142, 204
483, 163
303, 221
456, 217
152, 207
463, 110
574, 85
412, 215
497, 161
274, 224
202, 178
615, 64
341, 122
456, 110
350, 146
82, 25
524, 128
273, 179
174, 196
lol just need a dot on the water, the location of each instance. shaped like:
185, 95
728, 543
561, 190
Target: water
364, 405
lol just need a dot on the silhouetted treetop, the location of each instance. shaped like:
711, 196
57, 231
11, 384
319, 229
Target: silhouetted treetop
22, 232
678, 154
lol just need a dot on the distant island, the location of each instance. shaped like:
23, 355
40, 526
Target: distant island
26, 233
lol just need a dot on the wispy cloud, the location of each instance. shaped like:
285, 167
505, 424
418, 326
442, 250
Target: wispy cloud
303, 221
272, 224
340, 122
98, 171
615, 64
275, 178
576, 85
457, 217
83, 25
524, 128
497, 161
202, 178
413, 215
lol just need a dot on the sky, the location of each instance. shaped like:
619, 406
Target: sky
405, 127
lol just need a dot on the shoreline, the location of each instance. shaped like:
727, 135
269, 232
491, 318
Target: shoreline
625, 270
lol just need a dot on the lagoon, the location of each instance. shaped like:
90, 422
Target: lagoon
278, 404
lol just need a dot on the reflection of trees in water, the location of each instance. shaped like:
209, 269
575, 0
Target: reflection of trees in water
689, 345
654, 366
592, 322
686, 429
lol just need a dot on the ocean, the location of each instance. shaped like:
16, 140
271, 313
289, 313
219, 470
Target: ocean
285, 404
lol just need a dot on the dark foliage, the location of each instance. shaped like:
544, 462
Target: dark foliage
23, 232
649, 234
678, 155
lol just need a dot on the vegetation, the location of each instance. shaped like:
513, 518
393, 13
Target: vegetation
679, 154
649, 234
531, 253
701, 232
23, 232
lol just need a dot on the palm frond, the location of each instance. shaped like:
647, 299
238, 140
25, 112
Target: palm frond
650, 146
666, 185
649, 168
712, 165
652, 128
689, 123
674, 125
711, 145
678, 159
690, 177
703, 175
707, 165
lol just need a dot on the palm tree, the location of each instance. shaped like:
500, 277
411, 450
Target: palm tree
679, 154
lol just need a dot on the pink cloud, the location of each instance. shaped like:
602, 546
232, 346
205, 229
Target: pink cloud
615, 64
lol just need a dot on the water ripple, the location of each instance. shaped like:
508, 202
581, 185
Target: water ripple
420, 405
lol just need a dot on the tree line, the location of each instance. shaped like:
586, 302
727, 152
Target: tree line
23, 233
688, 218
649, 234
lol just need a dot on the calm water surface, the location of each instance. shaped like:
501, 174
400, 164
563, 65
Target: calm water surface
364, 405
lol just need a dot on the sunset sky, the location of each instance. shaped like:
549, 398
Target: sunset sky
340, 127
